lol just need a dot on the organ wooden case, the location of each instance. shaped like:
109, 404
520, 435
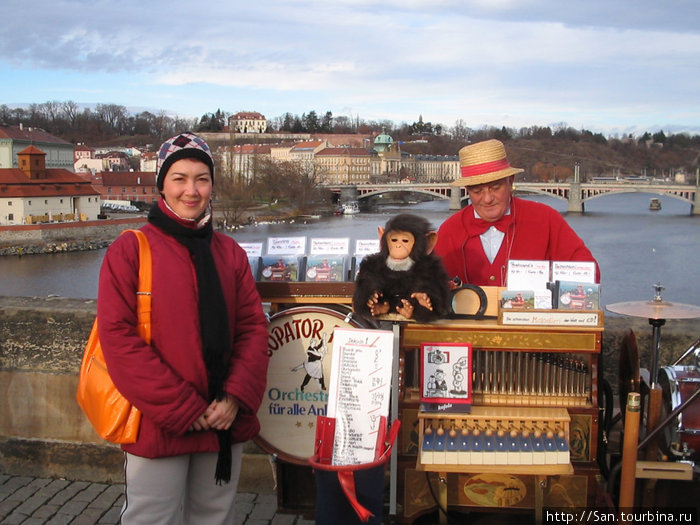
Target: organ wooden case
529, 440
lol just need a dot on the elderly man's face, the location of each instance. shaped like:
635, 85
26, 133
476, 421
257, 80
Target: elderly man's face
491, 200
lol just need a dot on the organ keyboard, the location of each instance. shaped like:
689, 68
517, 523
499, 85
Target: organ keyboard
520, 440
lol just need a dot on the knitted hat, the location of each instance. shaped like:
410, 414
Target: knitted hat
484, 162
183, 146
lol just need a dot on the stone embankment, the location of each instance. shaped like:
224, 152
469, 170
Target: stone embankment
53, 247
64, 236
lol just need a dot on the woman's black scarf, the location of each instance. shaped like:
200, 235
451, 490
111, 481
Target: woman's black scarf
213, 318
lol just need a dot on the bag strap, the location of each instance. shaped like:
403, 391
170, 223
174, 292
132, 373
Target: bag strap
143, 295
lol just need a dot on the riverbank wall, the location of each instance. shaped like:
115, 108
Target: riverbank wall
27, 239
43, 431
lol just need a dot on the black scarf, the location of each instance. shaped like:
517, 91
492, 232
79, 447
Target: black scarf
213, 318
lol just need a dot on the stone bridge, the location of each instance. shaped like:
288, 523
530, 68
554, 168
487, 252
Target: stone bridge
575, 193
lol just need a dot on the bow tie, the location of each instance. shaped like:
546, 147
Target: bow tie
480, 225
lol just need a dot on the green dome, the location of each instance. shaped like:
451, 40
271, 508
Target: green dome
383, 142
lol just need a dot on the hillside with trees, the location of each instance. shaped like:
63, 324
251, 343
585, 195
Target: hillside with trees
547, 153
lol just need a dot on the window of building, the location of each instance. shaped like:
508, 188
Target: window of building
46, 201
11, 217
9, 203
61, 201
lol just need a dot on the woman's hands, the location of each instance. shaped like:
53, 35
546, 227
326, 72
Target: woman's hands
219, 415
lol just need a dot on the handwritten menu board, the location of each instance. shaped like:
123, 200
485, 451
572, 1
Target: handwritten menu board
359, 392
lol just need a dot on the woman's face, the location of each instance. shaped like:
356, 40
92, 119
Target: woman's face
187, 188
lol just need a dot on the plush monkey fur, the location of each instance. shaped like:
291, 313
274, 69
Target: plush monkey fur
427, 274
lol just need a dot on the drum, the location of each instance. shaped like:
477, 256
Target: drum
681, 437
300, 344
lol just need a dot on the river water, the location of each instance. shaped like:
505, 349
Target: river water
634, 246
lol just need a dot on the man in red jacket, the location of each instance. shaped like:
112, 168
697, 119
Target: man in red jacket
477, 242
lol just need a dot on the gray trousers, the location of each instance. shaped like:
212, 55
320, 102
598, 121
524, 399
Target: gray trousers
179, 490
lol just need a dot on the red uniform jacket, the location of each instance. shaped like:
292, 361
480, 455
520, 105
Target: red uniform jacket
535, 232
167, 380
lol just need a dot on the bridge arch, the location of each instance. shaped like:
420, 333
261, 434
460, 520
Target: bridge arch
401, 189
685, 196
561, 193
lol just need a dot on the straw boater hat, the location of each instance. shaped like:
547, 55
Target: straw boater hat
483, 162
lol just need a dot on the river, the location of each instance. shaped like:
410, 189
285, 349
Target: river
635, 248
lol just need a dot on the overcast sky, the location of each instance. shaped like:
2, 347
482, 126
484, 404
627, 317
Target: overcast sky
605, 65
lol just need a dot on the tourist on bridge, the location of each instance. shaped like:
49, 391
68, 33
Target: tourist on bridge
200, 382
476, 242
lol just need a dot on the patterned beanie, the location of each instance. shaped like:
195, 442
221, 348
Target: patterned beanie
182, 146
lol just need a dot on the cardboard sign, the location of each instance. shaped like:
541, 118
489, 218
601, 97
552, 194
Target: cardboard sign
359, 392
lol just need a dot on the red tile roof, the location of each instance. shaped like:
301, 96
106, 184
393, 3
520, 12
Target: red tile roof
29, 134
249, 149
353, 152
15, 183
31, 150
307, 145
248, 115
128, 178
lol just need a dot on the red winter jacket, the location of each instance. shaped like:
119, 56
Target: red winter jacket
537, 232
167, 380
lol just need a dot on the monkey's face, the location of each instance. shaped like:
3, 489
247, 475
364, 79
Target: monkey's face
400, 244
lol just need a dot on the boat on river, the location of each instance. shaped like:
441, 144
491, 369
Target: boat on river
351, 208
654, 204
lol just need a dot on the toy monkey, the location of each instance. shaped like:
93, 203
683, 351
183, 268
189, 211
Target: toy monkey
404, 277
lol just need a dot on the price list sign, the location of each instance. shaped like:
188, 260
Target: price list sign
359, 392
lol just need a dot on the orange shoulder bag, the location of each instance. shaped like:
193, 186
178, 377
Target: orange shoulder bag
111, 415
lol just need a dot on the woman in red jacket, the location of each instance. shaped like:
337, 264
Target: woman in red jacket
477, 242
201, 380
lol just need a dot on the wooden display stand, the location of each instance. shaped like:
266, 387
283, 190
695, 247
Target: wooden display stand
498, 348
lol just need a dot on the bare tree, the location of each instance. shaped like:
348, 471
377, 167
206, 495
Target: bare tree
112, 115
70, 112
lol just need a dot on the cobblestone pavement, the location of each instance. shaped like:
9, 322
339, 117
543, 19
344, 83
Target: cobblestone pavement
27, 500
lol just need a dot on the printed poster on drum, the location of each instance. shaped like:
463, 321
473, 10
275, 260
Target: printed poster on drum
301, 346
446, 374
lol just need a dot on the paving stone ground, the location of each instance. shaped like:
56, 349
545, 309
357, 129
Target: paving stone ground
26, 500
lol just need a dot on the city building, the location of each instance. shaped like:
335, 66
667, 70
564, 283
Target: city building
114, 160
83, 152
302, 152
32, 193
13, 139
242, 160
431, 168
343, 165
247, 122
132, 186
148, 161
